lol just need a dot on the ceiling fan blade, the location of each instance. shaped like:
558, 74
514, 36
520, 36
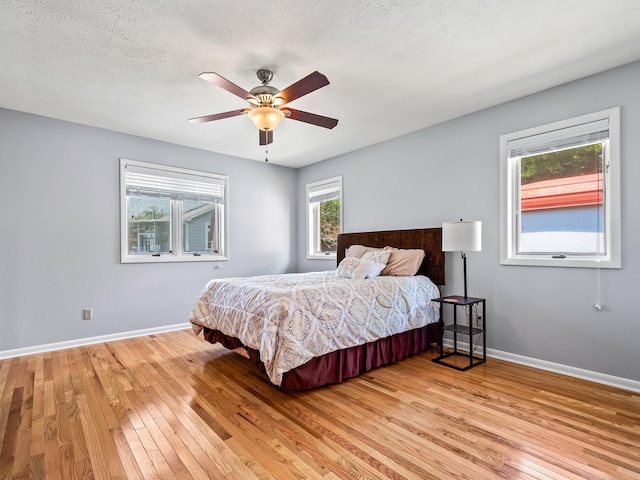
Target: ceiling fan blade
222, 82
308, 84
217, 116
266, 137
312, 118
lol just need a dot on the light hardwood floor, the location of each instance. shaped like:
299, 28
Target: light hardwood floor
173, 406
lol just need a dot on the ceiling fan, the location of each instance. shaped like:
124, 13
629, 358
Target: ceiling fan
267, 104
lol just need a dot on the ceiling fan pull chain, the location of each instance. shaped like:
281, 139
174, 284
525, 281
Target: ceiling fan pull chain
266, 153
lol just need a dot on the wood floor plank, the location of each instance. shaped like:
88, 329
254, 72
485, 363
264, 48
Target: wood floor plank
101, 384
51, 445
125, 453
160, 438
36, 466
22, 447
396, 460
312, 450
37, 422
405, 430
173, 406
191, 464
155, 455
5, 365
6, 397
205, 446
493, 423
145, 464
8, 450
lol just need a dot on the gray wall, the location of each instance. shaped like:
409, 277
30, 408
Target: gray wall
452, 171
60, 234
60, 241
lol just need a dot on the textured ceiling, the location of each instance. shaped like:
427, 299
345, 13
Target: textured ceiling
394, 66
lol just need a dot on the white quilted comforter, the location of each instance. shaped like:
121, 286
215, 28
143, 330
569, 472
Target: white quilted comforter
292, 318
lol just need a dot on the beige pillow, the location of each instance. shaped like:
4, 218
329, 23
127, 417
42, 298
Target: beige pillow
359, 250
403, 262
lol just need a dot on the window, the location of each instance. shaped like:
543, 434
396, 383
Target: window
560, 193
324, 217
171, 214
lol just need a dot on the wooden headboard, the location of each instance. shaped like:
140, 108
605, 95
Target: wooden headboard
428, 239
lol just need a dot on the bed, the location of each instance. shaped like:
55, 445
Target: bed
389, 317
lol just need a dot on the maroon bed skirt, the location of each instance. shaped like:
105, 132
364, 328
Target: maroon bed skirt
337, 366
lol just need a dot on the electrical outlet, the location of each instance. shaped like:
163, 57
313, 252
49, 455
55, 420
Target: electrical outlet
87, 313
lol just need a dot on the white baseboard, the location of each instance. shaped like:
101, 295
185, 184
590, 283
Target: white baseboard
618, 382
50, 347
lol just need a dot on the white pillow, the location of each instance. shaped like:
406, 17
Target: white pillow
358, 269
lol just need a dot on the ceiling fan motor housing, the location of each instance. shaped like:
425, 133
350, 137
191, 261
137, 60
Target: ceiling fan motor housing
265, 94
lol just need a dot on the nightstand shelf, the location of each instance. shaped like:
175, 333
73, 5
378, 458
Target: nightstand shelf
474, 334
463, 329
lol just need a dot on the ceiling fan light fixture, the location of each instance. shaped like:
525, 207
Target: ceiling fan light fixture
266, 118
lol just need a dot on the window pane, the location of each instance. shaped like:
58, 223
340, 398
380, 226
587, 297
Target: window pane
561, 202
199, 233
149, 222
329, 225
324, 217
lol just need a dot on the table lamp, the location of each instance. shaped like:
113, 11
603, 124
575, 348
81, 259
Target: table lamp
462, 237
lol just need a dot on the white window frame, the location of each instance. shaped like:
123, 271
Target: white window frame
510, 198
176, 255
315, 188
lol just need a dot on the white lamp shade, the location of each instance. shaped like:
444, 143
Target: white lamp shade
461, 236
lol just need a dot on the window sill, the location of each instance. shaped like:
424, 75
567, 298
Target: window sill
168, 258
329, 256
570, 262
